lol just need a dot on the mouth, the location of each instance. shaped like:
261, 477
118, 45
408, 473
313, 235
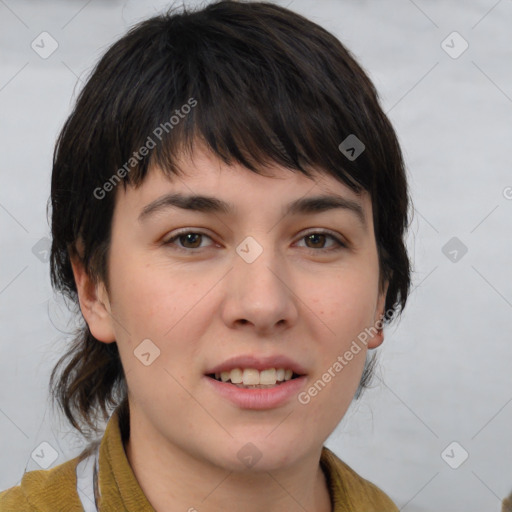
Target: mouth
257, 384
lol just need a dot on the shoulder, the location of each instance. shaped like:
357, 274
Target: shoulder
350, 491
50, 490
507, 504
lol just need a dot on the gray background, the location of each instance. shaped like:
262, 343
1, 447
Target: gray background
445, 369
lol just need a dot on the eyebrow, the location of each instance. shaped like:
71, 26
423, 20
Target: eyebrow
209, 204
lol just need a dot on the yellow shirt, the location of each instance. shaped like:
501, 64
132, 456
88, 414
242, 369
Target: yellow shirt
55, 489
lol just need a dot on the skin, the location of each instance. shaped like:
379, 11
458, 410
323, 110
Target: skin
206, 305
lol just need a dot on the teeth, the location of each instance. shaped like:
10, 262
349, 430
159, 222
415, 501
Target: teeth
266, 376
253, 377
236, 376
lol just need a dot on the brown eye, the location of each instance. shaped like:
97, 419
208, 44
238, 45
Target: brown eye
316, 241
192, 238
187, 240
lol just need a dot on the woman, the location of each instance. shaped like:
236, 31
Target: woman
251, 134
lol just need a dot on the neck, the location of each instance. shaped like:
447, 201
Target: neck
173, 479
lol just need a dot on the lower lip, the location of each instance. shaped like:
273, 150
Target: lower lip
253, 398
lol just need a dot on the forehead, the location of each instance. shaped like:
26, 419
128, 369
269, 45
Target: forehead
206, 183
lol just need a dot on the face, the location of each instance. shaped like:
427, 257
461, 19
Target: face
204, 287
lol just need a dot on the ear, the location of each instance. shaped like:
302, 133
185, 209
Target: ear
94, 303
377, 329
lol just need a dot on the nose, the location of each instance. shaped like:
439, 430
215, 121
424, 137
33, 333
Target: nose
259, 294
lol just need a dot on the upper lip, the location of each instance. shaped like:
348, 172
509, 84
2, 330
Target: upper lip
258, 363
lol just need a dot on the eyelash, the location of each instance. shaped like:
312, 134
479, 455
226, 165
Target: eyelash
340, 245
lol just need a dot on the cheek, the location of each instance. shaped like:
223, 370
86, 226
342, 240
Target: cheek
147, 296
153, 301
347, 305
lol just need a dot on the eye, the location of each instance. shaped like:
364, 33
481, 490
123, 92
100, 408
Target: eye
188, 239
318, 238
